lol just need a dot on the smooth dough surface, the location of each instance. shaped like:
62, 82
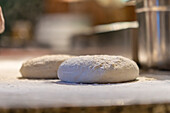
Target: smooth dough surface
43, 67
98, 69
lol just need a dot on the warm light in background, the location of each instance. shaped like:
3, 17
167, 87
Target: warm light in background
70, 0
79, 26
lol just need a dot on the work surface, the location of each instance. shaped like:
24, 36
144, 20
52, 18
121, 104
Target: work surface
16, 92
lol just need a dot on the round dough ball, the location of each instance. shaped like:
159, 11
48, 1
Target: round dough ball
43, 67
98, 69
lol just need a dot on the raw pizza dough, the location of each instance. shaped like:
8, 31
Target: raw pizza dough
98, 69
43, 67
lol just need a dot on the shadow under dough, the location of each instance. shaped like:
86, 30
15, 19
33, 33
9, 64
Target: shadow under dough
73, 83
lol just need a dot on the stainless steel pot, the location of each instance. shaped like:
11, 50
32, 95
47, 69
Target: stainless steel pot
154, 33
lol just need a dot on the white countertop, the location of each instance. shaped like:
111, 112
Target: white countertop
150, 88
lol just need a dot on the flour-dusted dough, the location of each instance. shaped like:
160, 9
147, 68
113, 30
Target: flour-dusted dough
98, 69
43, 67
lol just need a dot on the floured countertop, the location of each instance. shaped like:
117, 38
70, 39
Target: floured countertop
15, 92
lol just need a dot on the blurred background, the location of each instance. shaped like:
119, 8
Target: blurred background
71, 26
